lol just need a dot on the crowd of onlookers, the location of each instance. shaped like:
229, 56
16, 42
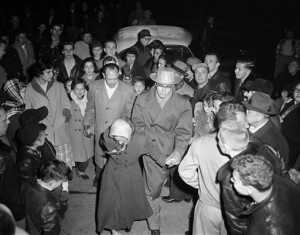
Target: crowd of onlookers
233, 135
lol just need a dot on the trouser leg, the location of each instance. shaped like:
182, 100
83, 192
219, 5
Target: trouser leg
154, 222
208, 220
178, 189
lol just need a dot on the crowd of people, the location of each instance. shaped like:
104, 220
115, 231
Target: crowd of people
147, 122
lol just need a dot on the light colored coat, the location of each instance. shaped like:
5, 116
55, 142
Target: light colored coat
102, 111
199, 169
56, 100
82, 146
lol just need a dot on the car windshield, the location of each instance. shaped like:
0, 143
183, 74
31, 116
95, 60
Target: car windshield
173, 52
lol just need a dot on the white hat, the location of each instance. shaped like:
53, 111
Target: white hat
166, 76
121, 128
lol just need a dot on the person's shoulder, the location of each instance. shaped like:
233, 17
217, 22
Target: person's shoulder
205, 140
182, 101
126, 87
96, 84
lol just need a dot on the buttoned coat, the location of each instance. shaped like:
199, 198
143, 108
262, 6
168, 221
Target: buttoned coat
56, 100
101, 110
166, 129
82, 146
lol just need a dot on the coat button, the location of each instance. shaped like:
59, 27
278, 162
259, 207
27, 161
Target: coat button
106, 122
153, 140
107, 108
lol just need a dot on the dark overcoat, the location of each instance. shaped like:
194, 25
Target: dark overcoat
122, 198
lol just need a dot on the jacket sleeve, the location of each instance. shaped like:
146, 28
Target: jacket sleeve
130, 98
26, 169
184, 129
89, 118
138, 116
64, 98
187, 169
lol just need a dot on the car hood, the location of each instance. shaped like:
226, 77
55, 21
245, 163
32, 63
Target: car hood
169, 35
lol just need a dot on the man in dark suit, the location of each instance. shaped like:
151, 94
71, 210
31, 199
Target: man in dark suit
259, 109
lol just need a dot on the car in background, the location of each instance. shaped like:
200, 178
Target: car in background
176, 40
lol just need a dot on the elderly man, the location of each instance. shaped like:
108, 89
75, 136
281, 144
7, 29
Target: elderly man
262, 129
165, 118
108, 99
230, 144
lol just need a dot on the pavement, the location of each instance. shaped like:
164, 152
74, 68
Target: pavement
80, 216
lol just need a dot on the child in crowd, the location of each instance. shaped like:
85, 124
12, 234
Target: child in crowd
82, 146
44, 207
29, 158
139, 85
68, 87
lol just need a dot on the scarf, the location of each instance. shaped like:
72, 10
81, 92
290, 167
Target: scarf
80, 102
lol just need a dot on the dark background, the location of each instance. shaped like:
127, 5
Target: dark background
255, 26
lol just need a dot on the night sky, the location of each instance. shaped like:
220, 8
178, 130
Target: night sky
255, 25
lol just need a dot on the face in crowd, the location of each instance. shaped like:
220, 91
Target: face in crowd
201, 75
145, 41
296, 93
130, 58
293, 67
47, 75
241, 71
89, 68
212, 62
163, 91
87, 38
139, 87
111, 77
79, 90
68, 51
110, 48
97, 51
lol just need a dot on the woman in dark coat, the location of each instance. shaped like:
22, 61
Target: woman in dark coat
122, 198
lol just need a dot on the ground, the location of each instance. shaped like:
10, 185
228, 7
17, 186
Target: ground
80, 217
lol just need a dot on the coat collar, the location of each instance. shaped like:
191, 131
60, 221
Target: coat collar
38, 88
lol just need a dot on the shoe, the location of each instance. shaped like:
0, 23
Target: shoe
155, 232
169, 199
